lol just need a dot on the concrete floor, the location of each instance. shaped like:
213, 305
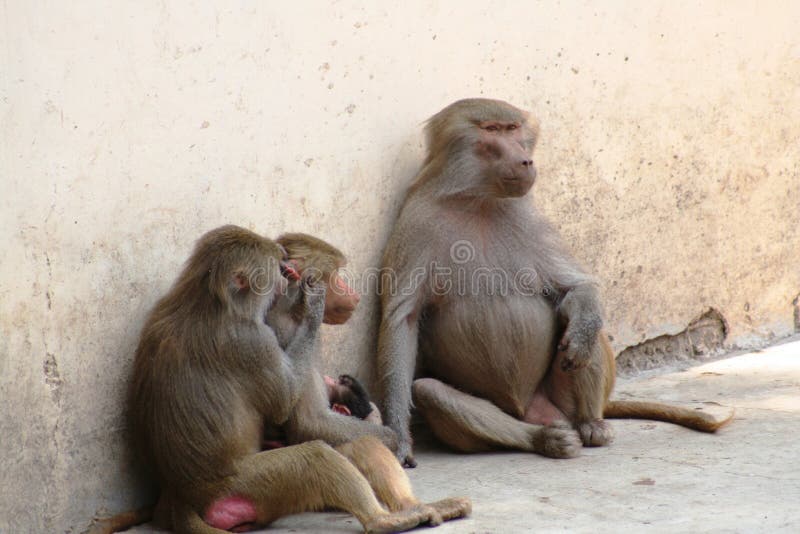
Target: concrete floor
654, 477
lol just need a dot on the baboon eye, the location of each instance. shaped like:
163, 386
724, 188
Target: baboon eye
512, 126
492, 127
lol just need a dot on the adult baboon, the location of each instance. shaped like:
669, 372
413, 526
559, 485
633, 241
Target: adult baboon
507, 323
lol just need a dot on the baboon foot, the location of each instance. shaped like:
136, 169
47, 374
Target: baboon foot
558, 440
452, 507
403, 520
595, 433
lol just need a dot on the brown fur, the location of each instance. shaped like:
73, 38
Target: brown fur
321, 261
527, 368
311, 417
313, 255
209, 372
656, 411
120, 522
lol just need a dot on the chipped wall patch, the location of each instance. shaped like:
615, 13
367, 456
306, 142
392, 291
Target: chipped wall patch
704, 337
52, 377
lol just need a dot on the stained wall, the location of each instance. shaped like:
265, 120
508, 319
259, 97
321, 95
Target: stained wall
668, 160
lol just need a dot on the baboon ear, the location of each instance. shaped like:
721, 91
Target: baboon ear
240, 281
341, 408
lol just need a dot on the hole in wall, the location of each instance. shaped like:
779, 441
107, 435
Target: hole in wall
703, 338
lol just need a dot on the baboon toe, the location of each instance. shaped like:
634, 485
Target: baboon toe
596, 433
558, 440
434, 518
452, 507
404, 520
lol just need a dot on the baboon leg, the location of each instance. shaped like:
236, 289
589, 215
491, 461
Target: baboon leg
381, 469
472, 424
581, 394
391, 484
313, 476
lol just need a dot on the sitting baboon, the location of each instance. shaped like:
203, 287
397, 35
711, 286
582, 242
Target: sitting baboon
210, 373
507, 324
311, 417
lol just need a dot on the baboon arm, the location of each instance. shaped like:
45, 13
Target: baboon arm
278, 375
579, 300
334, 428
300, 357
580, 311
313, 419
397, 356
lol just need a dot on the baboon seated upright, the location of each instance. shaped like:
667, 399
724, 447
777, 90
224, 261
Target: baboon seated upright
518, 361
210, 373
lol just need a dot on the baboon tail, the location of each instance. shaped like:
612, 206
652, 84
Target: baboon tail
656, 411
120, 522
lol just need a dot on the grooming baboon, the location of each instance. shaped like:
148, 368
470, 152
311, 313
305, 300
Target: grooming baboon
507, 323
321, 260
311, 417
209, 373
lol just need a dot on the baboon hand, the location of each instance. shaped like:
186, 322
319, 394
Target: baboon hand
576, 346
405, 454
313, 300
572, 355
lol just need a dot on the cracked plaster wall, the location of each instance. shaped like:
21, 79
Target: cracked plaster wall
668, 158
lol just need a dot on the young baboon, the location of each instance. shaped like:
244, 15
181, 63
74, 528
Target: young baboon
349, 397
346, 396
311, 417
322, 261
507, 323
209, 372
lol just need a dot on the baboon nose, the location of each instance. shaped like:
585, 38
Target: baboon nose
527, 162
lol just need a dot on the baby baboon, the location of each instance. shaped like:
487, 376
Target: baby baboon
346, 396
349, 397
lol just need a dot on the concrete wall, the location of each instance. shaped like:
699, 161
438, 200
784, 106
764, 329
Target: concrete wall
669, 157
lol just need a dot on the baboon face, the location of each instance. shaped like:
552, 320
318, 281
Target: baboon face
503, 153
480, 147
341, 300
319, 260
